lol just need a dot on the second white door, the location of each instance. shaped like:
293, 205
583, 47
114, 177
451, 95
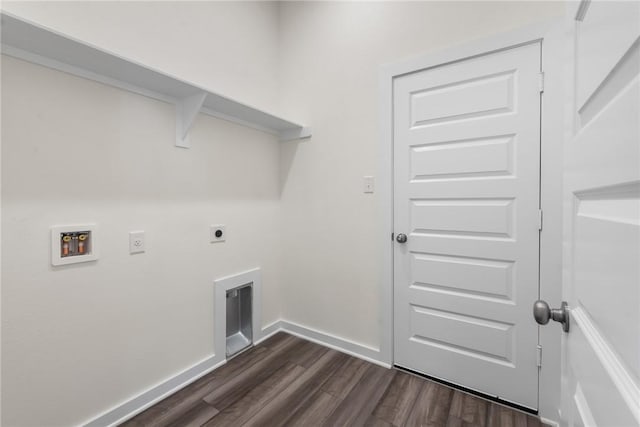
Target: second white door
466, 195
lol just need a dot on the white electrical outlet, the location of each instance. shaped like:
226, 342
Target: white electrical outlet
217, 233
136, 242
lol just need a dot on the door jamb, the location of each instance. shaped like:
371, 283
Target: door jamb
551, 35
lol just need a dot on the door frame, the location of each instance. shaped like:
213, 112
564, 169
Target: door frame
551, 35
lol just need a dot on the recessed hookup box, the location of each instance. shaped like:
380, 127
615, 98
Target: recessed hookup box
239, 323
72, 244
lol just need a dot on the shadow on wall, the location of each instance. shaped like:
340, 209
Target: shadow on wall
122, 148
288, 152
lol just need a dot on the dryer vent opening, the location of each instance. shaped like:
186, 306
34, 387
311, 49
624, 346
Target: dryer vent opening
239, 329
238, 313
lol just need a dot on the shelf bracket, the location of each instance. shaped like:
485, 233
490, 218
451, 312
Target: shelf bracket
294, 134
187, 110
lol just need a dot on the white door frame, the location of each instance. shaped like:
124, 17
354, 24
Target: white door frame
551, 35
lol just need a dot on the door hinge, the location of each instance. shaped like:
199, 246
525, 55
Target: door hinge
539, 356
541, 82
539, 219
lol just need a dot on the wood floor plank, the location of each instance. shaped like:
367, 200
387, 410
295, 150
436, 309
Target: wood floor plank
279, 410
345, 377
467, 410
244, 408
432, 405
286, 380
358, 406
502, 416
307, 354
246, 380
197, 415
314, 411
398, 400
377, 422
164, 412
278, 340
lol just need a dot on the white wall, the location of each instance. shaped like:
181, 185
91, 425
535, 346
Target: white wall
127, 322
331, 53
78, 340
228, 47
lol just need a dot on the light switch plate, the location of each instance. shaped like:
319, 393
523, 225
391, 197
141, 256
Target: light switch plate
368, 184
136, 242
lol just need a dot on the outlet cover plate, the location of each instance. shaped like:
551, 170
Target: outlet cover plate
136, 242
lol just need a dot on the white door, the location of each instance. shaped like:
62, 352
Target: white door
601, 366
466, 190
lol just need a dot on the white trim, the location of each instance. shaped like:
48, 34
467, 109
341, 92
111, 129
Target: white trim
226, 117
224, 284
551, 202
582, 10
550, 34
126, 410
302, 132
132, 407
269, 331
349, 347
53, 64
29, 41
582, 408
624, 380
549, 422
385, 209
386, 75
459, 52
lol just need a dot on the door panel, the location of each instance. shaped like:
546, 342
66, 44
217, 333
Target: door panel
463, 100
481, 157
466, 165
463, 333
595, 399
600, 45
489, 217
493, 279
602, 219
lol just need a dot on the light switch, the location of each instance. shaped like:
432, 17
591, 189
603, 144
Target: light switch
368, 184
136, 242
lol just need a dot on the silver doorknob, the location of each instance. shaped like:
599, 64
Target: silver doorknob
401, 238
542, 313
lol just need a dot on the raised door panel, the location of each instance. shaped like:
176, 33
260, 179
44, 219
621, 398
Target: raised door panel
484, 157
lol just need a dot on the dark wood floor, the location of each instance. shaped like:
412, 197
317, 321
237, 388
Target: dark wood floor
289, 381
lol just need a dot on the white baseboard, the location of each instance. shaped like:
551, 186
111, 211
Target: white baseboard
144, 400
269, 330
351, 348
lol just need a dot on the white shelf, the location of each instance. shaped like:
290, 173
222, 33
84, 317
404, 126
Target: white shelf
34, 43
